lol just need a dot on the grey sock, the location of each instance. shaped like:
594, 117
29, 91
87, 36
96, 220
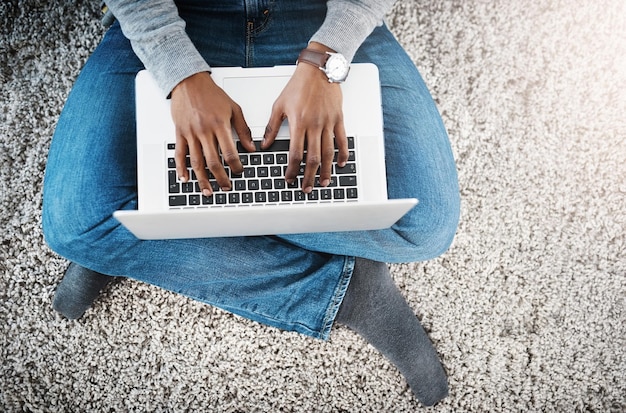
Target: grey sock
77, 290
374, 307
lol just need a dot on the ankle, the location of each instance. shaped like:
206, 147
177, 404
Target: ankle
374, 307
77, 291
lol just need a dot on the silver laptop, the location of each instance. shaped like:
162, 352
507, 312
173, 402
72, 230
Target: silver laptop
261, 202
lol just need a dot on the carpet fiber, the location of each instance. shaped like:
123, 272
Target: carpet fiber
527, 308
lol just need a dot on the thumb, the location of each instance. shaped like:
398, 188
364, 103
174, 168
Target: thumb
273, 125
243, 130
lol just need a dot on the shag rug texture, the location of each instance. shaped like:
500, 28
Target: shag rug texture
527, 308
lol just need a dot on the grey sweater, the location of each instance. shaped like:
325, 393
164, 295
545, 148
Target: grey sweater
158, 37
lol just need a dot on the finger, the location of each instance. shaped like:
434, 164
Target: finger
180, 157
273, 126
296, 150
214, 163
229, 152
313, 160
328, 153
197, 164
341, 141
242, 129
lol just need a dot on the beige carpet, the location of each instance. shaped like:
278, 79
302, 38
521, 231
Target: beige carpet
527, 308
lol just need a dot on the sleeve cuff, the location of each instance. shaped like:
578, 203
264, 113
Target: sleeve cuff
345, 29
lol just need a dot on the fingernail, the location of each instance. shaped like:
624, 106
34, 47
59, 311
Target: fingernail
325, 182
182, 179
225, 188
308, 189
206, 192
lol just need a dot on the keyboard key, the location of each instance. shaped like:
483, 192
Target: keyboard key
350, 142
286, 196
350, 168
178, 200
207, 200
299, 196
313, 195
187, 187
249, 172
326, 194
351, 193
266, 184
253, 184
339, 193
351, 156
279, 183
276, 171
331, 184
260, 197
174, 186
279, 145
281, 158
240, 185
171, 163
255, 159
194, 200
220, 199
262, 171
268, 158
247, 197
272, 196
233, 198
349, 180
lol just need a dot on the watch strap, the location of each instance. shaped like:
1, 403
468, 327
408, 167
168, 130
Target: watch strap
314, 57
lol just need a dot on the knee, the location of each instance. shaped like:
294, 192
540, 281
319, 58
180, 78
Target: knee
60, 231
75, 235
429, 229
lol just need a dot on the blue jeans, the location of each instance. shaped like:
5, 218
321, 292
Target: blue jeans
294, 282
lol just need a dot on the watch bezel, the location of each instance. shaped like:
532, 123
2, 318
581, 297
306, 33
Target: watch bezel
330, 72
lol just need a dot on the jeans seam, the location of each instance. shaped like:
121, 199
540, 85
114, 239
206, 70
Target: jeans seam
337, 298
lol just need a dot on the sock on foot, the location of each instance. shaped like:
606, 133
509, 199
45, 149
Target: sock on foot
77, 290
374, 307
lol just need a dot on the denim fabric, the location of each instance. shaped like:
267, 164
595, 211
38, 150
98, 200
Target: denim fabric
294, 282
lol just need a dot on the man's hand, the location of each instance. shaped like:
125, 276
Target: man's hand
204, 116
313, 107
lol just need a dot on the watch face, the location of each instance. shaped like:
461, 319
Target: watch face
337, 68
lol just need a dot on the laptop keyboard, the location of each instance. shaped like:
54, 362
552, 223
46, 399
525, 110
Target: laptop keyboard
262, 181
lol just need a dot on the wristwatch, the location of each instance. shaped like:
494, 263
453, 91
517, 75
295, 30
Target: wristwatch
334, 65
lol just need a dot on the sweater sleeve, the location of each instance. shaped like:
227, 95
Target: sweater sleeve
349, 22
157, 35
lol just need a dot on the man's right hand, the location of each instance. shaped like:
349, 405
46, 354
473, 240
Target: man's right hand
204, 116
